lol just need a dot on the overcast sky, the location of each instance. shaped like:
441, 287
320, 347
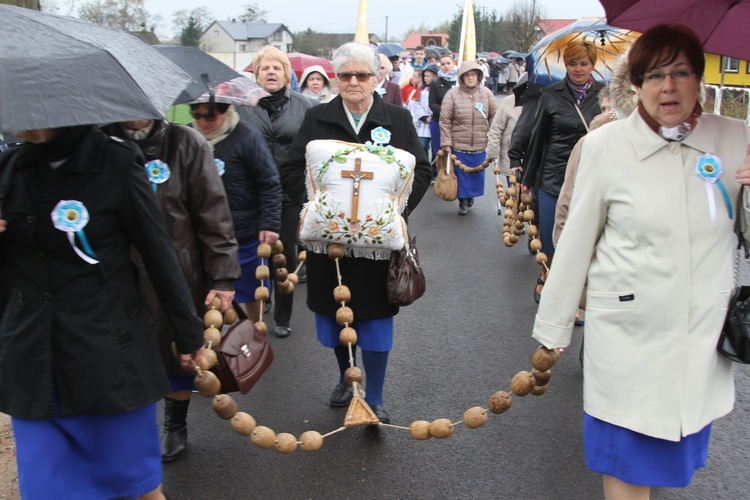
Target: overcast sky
340, 16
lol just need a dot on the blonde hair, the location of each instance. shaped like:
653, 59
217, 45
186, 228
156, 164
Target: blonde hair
579, 50
273, 54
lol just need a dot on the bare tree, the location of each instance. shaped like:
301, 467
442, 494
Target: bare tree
128, 15
520, 23
254, 13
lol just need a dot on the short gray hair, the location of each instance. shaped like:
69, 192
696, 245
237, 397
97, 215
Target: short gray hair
356, 52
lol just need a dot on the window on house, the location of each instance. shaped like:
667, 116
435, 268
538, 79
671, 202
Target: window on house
730, 64
216, 33
747, 68
278, 36
243, 47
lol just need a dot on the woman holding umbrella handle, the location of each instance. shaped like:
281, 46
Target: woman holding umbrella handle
651, 228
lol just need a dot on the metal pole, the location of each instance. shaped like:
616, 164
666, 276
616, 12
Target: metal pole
386, 29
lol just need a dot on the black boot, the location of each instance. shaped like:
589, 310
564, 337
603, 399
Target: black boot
174, 436
462, 208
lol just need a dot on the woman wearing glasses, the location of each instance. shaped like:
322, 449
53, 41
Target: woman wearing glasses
658, 259
351, 117
253, 190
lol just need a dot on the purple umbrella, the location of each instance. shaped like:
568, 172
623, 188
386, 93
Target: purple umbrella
722, 25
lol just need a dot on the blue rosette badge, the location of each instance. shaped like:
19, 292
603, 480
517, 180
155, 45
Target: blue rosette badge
380, 136
709, 168
71, 216
158, 172
480, 107
220, 166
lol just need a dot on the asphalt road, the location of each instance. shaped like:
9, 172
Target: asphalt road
461, 342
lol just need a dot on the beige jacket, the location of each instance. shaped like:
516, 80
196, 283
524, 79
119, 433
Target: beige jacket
498, 139
462, 125
659, 276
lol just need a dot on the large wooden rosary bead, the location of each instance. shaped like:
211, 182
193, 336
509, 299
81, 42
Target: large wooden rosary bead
420, 430
285, 443
264, 250
310, 441
335, 251
213, 318
243, 423
208, 384
262, 273
475, 417
262, 293
542, 378
224, 406
263, 437
279, 260
522, 383
348, 336
543, 359
344, 316
353, 374
499, 402
342, 294
441, 428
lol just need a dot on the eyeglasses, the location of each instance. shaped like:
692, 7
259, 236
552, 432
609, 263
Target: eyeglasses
658, 78
207, 117
347, 77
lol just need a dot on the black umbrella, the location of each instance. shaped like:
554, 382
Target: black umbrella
436, 51
390, 49
205, 70
524, 90
58, 71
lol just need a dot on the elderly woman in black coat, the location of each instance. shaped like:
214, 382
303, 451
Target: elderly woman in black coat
351, 117
80, 371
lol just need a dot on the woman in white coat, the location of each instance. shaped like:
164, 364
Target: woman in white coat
657, 250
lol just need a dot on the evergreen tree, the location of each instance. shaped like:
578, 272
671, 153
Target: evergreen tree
190, 35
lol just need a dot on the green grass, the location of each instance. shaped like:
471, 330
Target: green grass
179, 114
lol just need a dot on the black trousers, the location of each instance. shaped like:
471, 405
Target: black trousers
289, 236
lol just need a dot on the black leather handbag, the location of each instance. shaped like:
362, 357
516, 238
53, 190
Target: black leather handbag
734, 341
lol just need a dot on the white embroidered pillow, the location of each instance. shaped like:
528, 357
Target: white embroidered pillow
386, 176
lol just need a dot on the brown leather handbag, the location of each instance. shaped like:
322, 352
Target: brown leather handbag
406, 282
244, 355
446, 184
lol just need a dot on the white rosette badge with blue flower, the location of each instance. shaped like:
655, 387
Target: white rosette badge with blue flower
71, 216
480, 107
158, 172
709, 167
220, 166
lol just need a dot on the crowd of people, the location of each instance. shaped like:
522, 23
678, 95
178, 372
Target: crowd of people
138, 255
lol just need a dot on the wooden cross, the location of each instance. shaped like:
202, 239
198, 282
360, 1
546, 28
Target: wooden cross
357, 174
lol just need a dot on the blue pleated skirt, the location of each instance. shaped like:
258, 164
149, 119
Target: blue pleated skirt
245, 286
89, 457
372, 334
470, 185
643, 460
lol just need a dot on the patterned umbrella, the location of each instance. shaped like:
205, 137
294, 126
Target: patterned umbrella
239, 91
545, 61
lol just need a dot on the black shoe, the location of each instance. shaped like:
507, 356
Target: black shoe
341, 395
382, 415
471, 202
282, 331
537, 295
267, 308
174, 435
462, 210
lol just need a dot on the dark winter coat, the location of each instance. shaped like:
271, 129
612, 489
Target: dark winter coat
251, 180
392, 93
556, 130
438, 88
197, 219
81, 328
278, 130
519, 140
365, 277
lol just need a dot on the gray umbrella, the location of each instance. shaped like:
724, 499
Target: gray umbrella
205, 70
58, 71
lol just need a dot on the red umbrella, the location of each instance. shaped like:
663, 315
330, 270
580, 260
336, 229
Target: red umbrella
301, 61
493, 54
720, 24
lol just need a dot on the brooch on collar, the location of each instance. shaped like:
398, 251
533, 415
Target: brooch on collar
709, 168
71, 216
380, 136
